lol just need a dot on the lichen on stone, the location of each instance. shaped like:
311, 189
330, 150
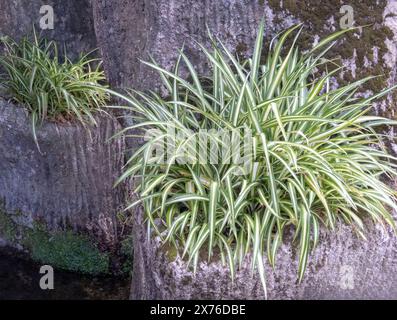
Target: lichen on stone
367, 51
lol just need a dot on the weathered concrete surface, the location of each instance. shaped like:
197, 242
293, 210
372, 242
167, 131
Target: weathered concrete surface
159, 28
343, 266
73, 22
69, 185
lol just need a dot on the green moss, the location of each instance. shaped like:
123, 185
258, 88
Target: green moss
66, 250
171, 251
126, 246
126, 252
8, 228
315, 15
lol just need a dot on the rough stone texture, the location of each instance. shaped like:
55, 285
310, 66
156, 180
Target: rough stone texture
73, 22
69, 185
159, 28
121, 29
343, 266
371, 50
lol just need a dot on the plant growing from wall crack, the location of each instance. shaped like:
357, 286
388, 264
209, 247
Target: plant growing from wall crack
316, 159
50, 86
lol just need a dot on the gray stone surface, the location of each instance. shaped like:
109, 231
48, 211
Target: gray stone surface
343, 266
159, 28
69, 185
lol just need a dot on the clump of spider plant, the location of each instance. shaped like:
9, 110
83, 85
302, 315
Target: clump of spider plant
50, 86
315, 159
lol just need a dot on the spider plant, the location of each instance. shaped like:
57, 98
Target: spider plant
50, 88
316, 159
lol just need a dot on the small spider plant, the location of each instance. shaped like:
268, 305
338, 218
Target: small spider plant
50, 86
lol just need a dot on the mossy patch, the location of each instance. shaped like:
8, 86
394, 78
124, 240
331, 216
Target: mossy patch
171, 251
321, 17
66, 250
8, 228
126, 253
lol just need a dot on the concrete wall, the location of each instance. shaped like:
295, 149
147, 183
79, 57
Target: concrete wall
69, 185
343, 266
